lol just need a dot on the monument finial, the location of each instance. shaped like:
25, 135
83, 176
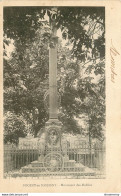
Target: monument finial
53, 25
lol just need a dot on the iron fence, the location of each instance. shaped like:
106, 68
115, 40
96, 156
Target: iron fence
79, 159
15, 158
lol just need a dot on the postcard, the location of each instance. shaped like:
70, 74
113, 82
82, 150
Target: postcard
60, 96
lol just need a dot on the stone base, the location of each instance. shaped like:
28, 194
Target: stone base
72, 173
70, 169
38, 167
63, 175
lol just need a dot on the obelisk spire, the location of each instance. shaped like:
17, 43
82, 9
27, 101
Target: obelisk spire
53, 102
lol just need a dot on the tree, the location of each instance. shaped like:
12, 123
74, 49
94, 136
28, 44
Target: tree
26, 72
15, 127
80, 25
25, 80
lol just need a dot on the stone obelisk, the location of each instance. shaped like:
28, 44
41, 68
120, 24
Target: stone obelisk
53, 106
53, 126
54, 155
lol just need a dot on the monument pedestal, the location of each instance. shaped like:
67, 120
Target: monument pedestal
52, 154
53, 134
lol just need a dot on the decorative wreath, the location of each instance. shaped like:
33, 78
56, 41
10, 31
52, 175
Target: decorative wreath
53, 162
46, 100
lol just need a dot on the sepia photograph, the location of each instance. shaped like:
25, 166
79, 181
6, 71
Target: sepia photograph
54, 92
60, 96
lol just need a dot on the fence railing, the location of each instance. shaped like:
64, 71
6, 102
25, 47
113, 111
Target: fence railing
89, 156
15, 158
92, 157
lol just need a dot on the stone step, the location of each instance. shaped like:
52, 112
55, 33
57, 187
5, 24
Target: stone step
68, 166
37, 164
70, 163
42, 169
55, 174
32, 169
73, 169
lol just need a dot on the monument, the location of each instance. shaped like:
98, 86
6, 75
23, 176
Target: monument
54, 153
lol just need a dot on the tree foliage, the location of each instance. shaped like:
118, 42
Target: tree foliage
15, 127
26, 71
